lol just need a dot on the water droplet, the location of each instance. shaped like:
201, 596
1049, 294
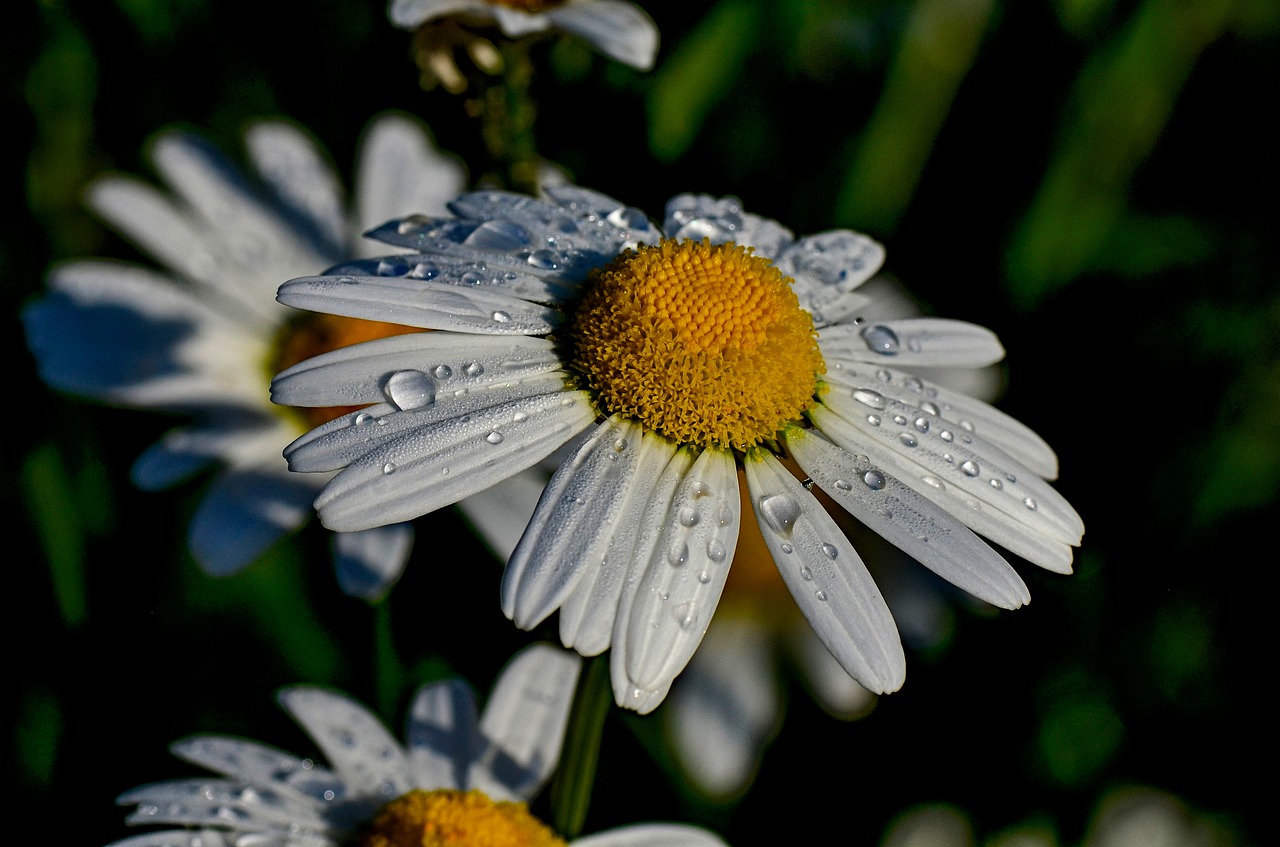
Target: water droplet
424, 271
501, 317
408, 390
885, 513
1011, 477
716, 550
781, 511
948, 458
930, 408
908, 440
821, 595
874, 479
389, 467
684, 615
830, 550
619, 445
520, 417
494, 437
787, 548
874, 420
364, 418
967, 426
689, 517
914, 345
627, 217
704, 577
701, 489
678, 554
900, 420
922, 424
947, 436
843, 485
392, 267
329, 794
471, 278
443, 371
881, 339
970, 468
805, 573
874, 399
933, 481
474, 369
884, 376
1030, 503
913, 384
997, 484
546, 260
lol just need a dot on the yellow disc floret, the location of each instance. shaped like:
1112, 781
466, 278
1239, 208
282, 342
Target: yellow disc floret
444, 818
705, 344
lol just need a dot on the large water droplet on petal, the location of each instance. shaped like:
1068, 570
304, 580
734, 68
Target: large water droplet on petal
881, 339
874, 399
781, 511
408, 390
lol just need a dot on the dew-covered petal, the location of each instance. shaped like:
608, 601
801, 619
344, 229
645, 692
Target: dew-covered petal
400, 172
960, 459
410, 14
675, 597
356, 744
421, 303
588, 614
257, 764
243, 512
589, 502
615, 222
830, 685
524, 722
827, 267
447, 364
825, 575
462, 272
913, 342
291, 163
179, 838
1029, 539
443, 734
124, 334
221, 802
721, 219
940, 407
725, 706
912, 523
369, 562
651, 835
438, 465
620, 30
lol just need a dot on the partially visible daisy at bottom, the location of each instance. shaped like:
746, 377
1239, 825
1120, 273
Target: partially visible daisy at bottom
666, 360
459, 778
201, 338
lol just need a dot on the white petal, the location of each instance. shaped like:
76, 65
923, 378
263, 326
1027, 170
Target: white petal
499, 515
217, 802
175, 838
439, 465
633, 224
588, 614
651, 835
699, 216
292, 163
725, 706
370, 561
249, 762
443, 735
517, 22
524, 722
910, 522
585, 520
469, 271
243, 512
830, 684
677, 594
825, 576
959, 458
1018, 537
960, 410
420, 303
178, 455
355, 743
410, 14
400, 172
618, 29
913, 342
827, 267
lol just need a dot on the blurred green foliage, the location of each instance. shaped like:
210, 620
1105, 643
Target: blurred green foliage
1093, 179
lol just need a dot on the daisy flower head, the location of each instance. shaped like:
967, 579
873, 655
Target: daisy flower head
202, 337
619, 29
462, 777
674, 364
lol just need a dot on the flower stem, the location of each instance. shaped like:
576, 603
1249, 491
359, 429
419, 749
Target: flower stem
571, 789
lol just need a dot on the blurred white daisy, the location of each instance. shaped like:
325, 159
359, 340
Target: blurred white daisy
618, 29
203, 338
460, 778
668, 359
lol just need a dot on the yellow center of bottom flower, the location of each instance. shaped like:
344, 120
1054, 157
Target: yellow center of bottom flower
705, 344
314, 333
444, 818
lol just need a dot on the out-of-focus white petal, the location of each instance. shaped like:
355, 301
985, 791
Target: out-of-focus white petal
356, 744
651, 835
616, 28
825, 576
442, 734
369, 562
244, 511
912, 523
424, 471
212, 802
725, 706
177, 838
251, 763
524, 722
399, 172
410, 14
291, 162
830, 684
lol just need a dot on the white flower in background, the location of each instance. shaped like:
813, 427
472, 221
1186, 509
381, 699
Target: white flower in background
618, 29
203, 338
671, 361
460, 778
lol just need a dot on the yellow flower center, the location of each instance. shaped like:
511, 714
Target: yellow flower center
705, 344
456, 819
313, 333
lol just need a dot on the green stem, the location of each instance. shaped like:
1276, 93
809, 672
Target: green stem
388, 671
571, 789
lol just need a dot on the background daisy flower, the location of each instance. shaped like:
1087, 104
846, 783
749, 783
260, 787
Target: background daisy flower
201, 338
460, 778
672, 360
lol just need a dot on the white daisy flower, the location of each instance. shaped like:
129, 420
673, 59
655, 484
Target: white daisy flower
203, 338
618, 29
460, 778
671, 360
